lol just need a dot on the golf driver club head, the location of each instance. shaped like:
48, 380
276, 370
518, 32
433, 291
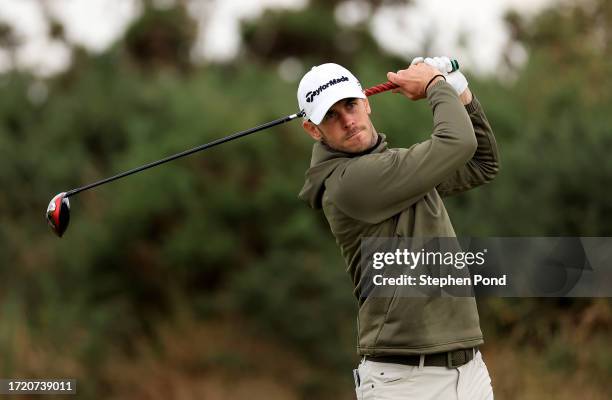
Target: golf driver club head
58, 214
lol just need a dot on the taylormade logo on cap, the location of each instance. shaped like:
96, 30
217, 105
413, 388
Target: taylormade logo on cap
323, 86
311, 95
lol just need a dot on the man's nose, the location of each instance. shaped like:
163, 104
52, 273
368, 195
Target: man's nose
346, 119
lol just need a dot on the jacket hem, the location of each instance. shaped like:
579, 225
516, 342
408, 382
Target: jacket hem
425, 349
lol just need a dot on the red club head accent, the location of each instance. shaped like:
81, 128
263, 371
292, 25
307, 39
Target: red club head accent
58, 214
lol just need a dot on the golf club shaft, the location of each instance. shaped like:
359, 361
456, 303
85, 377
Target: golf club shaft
368, 92
186, 153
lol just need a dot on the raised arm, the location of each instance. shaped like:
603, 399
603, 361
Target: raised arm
375, 187
484, 165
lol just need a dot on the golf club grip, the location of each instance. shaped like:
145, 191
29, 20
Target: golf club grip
383, 87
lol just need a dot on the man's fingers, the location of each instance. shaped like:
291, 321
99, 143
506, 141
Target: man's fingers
412, 81
447, 63
442, 64
392, 77
432, 62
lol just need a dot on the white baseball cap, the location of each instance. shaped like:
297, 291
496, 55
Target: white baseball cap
323, 86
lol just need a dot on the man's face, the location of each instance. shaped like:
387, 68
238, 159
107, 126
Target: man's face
345, 127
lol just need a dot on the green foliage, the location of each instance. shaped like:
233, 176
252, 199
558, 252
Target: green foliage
161, 38
223, 231
314, 35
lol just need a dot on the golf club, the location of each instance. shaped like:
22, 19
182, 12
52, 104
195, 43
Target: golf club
58, 210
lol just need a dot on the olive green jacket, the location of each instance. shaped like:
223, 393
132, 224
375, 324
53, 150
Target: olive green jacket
391, 192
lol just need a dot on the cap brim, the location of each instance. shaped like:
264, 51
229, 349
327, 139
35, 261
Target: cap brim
331, 98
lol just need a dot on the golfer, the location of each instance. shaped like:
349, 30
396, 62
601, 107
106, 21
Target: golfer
411, 348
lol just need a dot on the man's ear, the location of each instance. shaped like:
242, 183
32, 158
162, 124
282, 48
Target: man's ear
312, 130
367, 106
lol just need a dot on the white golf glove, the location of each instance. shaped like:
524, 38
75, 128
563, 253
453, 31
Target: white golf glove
443, 64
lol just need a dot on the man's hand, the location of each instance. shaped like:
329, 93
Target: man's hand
413, 81
456, 79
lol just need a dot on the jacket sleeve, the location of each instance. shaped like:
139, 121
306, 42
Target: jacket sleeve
374, 187
484, 165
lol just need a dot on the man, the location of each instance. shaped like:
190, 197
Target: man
412, 348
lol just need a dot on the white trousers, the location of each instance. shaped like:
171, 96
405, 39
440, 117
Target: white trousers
387, 381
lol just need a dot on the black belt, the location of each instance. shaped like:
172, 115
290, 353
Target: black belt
449, 359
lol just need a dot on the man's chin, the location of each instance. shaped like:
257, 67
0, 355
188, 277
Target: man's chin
363, 141
359, 148
357, 143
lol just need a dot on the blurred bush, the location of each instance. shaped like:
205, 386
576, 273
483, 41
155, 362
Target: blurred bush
222, 233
